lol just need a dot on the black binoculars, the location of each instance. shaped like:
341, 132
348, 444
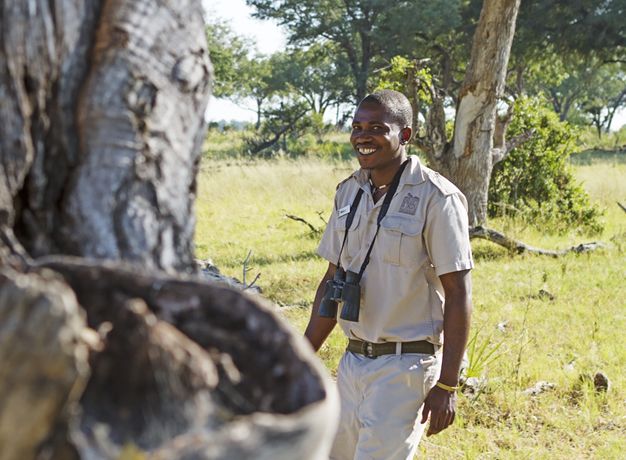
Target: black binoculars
344, 287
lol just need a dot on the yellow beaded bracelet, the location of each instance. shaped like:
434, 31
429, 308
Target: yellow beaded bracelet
443, 386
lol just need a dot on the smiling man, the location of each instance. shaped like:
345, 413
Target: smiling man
398, 283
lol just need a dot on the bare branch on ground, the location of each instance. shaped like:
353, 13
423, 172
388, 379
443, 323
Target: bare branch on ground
313, 228
520, 247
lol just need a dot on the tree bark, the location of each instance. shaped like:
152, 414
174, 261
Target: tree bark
469, 158
101, 125
43, 359
105, 115
186, 363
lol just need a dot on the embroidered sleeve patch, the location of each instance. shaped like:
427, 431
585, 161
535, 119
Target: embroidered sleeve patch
409, 204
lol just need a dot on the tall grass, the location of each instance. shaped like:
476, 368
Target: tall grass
535, 318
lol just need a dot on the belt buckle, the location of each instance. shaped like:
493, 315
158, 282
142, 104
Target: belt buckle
367, 348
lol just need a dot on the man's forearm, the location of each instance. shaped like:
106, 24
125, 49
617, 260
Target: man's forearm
320, 328
456, 324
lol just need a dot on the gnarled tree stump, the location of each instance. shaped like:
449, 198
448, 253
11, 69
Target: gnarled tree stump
101, 124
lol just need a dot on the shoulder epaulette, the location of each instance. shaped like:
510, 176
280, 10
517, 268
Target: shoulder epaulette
443, 185
344, 181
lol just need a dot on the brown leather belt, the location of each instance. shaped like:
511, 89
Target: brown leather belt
374, 350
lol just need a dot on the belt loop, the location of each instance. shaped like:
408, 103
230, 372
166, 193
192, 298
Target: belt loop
398, 348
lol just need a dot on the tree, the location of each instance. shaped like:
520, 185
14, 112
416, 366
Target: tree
561, 48
581, 89
102, 122
366, 31
258, 83
349, 24
228, 53
287, 119
605, 96
468, 158
313, 75
292, 89
584, 27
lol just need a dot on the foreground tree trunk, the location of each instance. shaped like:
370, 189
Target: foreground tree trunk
478, 142
101, 124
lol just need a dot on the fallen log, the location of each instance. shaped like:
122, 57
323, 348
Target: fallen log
519, 247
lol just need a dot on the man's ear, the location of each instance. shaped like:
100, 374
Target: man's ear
405, 135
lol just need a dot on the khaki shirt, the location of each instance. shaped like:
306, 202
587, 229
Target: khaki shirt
423, 235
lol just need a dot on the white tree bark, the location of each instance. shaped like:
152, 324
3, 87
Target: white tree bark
469, 158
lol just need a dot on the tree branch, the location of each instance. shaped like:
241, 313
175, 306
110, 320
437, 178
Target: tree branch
520, 247
500, 153
502, 147
246, 269
435, 140
305, 222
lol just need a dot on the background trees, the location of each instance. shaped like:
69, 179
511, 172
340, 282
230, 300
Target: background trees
572, 53
569, 55
562, 50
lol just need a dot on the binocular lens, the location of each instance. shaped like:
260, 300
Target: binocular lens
328, 305
351, 297
344, 287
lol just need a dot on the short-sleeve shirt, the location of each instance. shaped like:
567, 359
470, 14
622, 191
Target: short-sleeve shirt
424, 235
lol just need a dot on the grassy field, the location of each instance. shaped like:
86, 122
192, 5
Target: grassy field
535, 318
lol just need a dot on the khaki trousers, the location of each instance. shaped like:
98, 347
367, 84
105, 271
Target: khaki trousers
381, 403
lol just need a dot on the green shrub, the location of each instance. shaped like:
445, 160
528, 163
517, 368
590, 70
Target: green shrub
534, 182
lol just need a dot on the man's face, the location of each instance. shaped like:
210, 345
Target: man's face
375, 137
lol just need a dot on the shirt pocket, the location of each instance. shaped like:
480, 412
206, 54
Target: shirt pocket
353, 242
401, 240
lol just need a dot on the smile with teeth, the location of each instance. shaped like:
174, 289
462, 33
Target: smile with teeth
366, 150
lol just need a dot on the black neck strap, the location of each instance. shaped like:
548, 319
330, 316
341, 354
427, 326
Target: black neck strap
349, 219
382, 213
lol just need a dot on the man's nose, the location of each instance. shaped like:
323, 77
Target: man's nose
363, 134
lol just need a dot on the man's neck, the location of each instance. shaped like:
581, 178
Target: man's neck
384, 176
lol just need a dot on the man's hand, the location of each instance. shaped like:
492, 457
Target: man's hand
441, 405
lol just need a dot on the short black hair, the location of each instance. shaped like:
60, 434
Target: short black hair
395, 103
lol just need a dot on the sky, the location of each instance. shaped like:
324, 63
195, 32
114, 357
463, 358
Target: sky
269, 38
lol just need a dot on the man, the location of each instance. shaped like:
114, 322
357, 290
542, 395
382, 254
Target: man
394, 376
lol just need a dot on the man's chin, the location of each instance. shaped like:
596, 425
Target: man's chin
365, 161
